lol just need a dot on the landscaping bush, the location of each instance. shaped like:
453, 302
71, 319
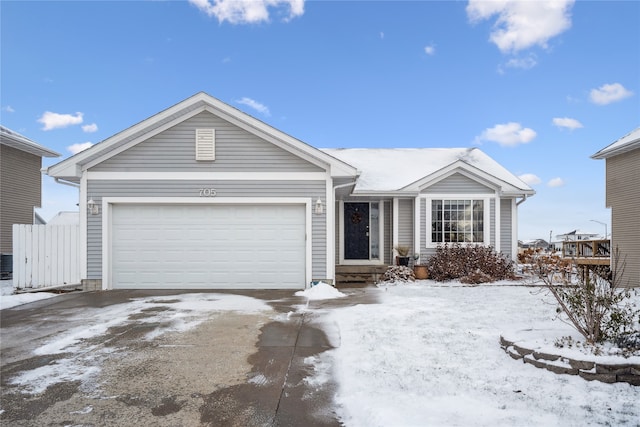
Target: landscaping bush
469, 263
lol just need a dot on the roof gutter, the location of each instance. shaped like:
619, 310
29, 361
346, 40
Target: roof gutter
65, 182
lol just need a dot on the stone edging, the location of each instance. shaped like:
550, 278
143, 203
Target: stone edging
606, 373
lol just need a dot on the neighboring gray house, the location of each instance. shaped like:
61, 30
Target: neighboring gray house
202, 195
622, 165
20, 183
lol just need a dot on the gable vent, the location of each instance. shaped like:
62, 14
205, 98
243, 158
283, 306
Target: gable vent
205, 144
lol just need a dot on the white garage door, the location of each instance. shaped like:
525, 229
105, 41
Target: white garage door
208, 246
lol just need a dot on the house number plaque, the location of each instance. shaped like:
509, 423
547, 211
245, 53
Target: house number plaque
208, 192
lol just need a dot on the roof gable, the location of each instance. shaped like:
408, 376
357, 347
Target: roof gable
411, 170
629, 142
72, 167
236, 150
19, 142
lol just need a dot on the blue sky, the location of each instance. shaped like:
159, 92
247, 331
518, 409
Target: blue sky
539, 86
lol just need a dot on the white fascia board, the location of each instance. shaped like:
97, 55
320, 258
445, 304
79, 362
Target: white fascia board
207, 176
394, 194
104, 146
65, 170
473, 173
111, 153
280, 139
457, 167
219, 109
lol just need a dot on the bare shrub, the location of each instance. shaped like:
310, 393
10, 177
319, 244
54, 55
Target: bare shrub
590, 298
469, 263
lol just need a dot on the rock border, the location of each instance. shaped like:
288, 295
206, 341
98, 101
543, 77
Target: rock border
589, 370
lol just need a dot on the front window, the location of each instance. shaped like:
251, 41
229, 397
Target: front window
457, 221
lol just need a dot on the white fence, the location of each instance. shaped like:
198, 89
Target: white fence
45, 255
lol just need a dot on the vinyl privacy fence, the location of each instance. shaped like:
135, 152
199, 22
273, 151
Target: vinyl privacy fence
45, 255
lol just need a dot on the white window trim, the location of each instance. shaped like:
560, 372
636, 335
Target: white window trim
486, 235
381, 244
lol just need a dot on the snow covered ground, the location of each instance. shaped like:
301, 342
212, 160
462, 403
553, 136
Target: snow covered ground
429, 355
8, 299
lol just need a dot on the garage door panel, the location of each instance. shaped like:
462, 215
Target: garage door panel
208, 246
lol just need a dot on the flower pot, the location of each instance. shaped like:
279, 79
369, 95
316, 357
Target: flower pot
421, 272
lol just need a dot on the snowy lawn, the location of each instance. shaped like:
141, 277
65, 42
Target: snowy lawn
430, 355
8, 299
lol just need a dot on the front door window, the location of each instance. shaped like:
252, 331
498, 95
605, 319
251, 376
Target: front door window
362, 231
356, 230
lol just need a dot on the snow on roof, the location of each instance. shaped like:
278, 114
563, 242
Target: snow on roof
20, 142
389, 169
627, 143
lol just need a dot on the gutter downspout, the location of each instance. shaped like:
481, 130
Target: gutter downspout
524, 197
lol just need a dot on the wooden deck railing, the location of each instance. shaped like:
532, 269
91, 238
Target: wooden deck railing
588, 251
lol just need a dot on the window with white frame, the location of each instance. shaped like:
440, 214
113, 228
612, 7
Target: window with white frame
458, 221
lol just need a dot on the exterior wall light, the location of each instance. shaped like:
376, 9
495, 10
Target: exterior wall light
319, 209
92, 207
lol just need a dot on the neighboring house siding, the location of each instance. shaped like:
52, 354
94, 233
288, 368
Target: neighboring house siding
623, 197
236, 150
457, 183
120, 188
405, 222
20, 183
506, 234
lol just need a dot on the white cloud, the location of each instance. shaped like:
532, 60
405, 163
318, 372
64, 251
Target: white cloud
530, 178
608, 93
556, 182
90, 128
525, 63
566, 122
247, 11
76, 148
55, 121
381, 35
9, 109
261, 108
522, 24
430, 49
508, 134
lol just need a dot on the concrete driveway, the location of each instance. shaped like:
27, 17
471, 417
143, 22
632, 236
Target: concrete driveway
66, 361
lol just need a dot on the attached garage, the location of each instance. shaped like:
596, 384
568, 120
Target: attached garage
208, 246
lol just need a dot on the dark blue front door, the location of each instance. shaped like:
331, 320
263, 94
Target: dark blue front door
356, 230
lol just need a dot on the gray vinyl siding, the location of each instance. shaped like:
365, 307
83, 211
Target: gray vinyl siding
623, 197
405, 222
145, 188
506, 236
20, 191
457, 183
236, 150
